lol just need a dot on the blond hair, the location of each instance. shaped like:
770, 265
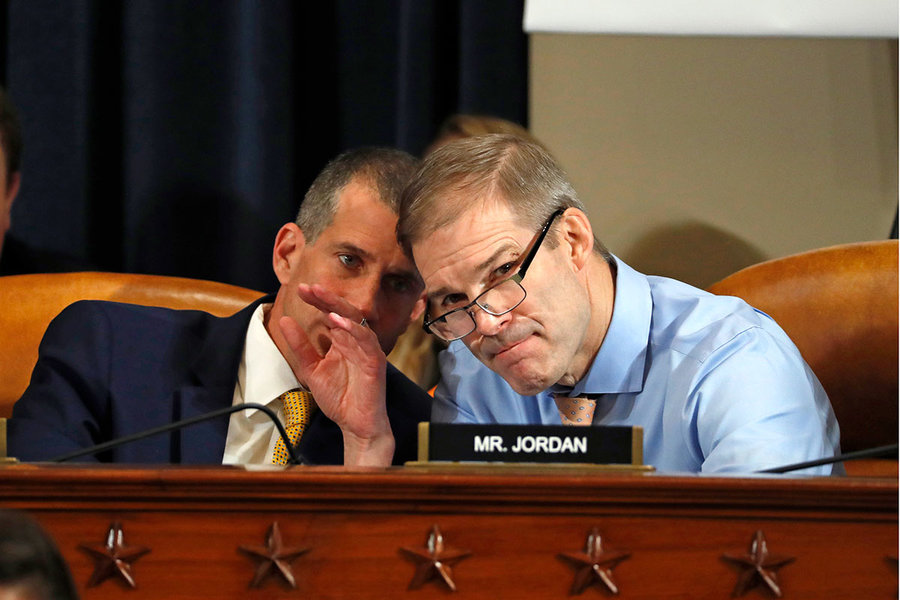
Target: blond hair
463, 126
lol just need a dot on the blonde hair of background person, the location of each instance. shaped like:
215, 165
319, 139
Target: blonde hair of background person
460, 126
415, 353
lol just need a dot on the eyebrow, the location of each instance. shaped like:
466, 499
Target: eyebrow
409, 274
353, 249
480, 269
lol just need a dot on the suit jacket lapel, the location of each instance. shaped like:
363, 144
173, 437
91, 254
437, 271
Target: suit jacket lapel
215, 370
322, 442
203, 442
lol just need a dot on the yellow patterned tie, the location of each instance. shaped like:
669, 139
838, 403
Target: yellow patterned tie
575, 411
297, 408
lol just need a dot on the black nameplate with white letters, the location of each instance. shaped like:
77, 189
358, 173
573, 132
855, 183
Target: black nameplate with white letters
530, 443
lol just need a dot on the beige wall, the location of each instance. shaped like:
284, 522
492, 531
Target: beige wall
698, 156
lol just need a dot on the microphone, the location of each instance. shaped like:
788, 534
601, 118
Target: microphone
293, 459
888, 450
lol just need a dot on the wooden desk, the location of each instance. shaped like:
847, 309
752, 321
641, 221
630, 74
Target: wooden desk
841, 533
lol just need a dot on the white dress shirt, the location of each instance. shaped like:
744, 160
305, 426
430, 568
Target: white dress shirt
263, 376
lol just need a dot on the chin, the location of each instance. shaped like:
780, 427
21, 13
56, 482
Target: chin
524, 379
387, 346
529, 383
525, 389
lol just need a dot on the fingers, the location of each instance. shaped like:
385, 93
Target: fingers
327, 301
364, 337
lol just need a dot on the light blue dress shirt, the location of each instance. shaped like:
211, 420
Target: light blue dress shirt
717, 385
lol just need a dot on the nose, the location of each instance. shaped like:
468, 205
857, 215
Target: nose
487, 324
365, 297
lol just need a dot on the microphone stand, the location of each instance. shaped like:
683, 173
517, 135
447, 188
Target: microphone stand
868, 453
293, 458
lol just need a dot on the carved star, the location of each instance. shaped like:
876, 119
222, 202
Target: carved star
273, 557
113, 558
758, 567
434, 560
594, 564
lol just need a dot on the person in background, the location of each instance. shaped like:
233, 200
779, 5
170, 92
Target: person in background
460, 126
314, 352
547, 327
17, 257
31, 567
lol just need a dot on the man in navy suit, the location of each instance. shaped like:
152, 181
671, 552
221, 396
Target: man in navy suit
107, 370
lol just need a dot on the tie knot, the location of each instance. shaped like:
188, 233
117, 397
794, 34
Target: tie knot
575, 411
297, 406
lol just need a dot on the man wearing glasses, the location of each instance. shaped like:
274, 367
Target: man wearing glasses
547, 327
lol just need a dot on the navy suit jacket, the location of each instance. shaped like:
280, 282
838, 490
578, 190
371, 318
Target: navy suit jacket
107, 370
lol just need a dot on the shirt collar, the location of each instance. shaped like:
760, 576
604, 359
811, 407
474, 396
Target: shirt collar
268, 374
619, 364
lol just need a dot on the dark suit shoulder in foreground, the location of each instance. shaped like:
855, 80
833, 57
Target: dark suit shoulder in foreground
107, 370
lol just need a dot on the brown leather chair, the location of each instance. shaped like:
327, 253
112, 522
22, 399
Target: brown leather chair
839, 306
29, 303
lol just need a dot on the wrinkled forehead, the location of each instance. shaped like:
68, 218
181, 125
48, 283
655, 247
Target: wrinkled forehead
463, 250
468, 205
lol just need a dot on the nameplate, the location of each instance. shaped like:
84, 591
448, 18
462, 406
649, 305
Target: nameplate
610, 445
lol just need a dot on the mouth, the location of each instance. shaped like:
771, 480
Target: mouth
508, 349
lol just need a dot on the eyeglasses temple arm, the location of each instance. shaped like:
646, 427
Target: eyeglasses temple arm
537, 244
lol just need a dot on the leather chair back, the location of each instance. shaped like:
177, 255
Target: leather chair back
839, 306
29, 303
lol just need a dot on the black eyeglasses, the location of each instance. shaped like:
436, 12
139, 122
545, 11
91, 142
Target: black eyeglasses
496, 300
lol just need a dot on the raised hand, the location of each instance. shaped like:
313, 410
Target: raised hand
348, 381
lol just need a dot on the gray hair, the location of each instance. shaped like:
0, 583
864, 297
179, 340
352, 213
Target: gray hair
385, 170
464, 172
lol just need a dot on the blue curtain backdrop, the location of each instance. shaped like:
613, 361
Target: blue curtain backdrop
175, 137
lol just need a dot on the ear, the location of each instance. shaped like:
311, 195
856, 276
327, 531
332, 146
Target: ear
6, 201
12, 188
575, 231
289, 244
418, 308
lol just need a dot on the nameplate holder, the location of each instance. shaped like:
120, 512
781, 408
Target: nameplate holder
598, 445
